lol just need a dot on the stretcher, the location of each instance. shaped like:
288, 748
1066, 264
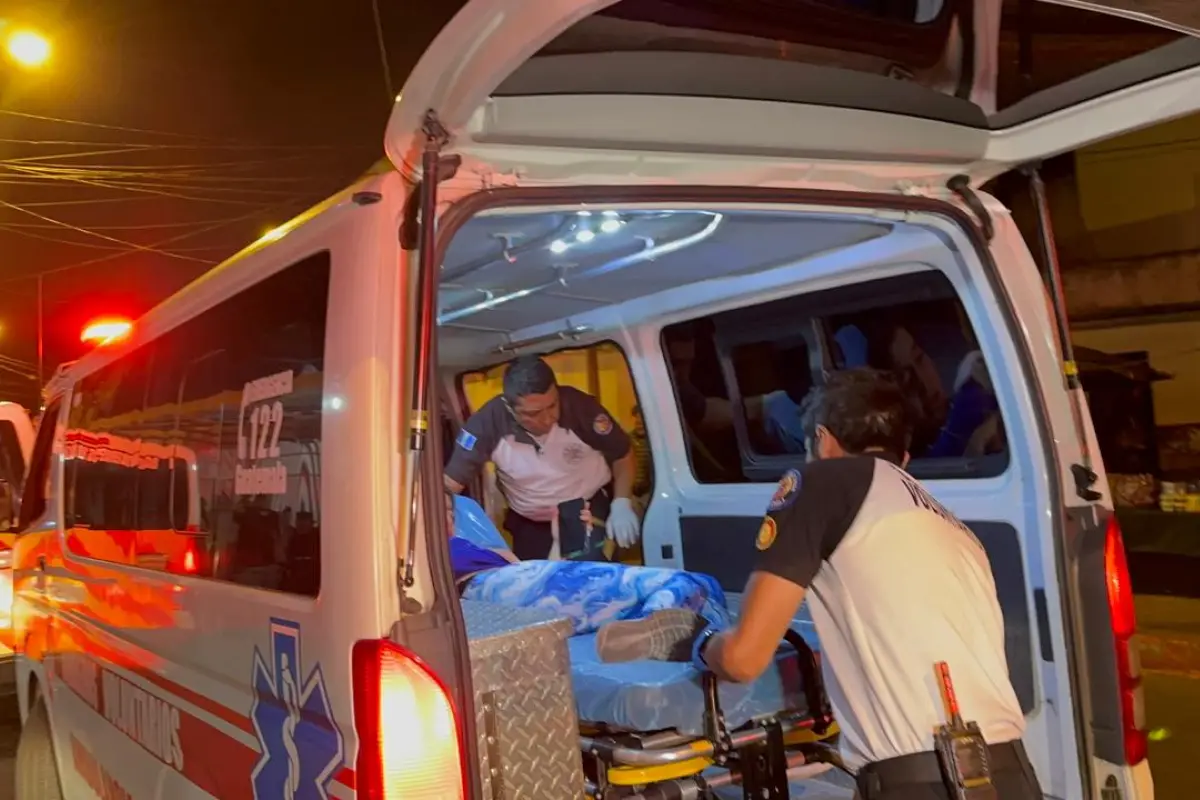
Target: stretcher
646, 729
665, 730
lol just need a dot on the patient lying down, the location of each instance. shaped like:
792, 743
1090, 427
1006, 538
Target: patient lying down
588, 593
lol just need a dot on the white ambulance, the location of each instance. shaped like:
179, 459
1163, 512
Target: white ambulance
232, 590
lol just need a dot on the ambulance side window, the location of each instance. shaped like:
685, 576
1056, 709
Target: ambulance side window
199, 453
250, 380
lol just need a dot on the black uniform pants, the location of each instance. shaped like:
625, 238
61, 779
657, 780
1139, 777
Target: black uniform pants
919, 777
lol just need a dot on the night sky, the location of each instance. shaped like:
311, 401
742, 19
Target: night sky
238, 115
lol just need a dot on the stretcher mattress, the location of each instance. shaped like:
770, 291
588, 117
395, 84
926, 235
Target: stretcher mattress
656, 695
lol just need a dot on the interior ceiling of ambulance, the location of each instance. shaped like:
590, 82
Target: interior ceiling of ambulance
507, 272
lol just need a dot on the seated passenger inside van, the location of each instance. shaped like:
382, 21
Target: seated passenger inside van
588, 593
964, 424
973, 426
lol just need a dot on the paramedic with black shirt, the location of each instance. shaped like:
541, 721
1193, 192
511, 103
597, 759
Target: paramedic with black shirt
895, 584
550, 444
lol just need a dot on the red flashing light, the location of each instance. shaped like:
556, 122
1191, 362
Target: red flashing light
409, 741
105, 331
189, 562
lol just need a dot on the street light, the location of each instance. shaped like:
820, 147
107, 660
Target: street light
28, 48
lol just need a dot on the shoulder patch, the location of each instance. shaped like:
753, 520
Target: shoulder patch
786, 491
466, 440
766, 534
602, 424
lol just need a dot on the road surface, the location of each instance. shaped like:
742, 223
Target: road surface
1173, 715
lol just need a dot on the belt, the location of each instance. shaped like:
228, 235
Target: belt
924, 768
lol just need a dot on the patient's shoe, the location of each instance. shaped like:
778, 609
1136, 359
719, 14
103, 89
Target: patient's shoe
666, 635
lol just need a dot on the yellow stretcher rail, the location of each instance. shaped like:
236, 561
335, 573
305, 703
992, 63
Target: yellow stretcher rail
644, 775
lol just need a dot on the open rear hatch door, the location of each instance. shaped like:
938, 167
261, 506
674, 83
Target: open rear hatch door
877, 93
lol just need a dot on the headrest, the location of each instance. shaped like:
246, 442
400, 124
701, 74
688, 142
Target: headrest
472, 523
972, 367
854, 347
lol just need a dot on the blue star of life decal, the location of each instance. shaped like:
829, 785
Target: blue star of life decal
301, 744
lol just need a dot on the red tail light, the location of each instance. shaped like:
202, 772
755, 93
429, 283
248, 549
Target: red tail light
409, 741
1124, 625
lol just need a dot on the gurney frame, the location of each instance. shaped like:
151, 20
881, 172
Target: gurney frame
761, 756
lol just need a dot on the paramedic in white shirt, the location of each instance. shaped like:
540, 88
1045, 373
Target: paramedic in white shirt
551, 444
895, 583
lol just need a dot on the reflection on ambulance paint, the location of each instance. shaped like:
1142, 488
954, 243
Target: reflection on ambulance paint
174, 543
6, 596
94, 775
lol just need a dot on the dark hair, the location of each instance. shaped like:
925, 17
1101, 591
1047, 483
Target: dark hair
527, 375
863, 408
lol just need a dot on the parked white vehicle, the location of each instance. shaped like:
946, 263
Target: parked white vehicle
16, 442
669, 177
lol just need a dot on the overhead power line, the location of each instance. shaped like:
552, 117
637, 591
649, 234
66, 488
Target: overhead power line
144, 227
98, 235
383, 54
259, 212
177, 146
197, 141
99, 126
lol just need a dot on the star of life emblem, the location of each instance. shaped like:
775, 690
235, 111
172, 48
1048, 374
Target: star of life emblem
301, 744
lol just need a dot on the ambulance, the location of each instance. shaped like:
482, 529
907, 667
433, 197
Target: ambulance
231, 567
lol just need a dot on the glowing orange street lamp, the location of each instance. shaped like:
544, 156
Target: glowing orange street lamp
29, 49
105, 331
